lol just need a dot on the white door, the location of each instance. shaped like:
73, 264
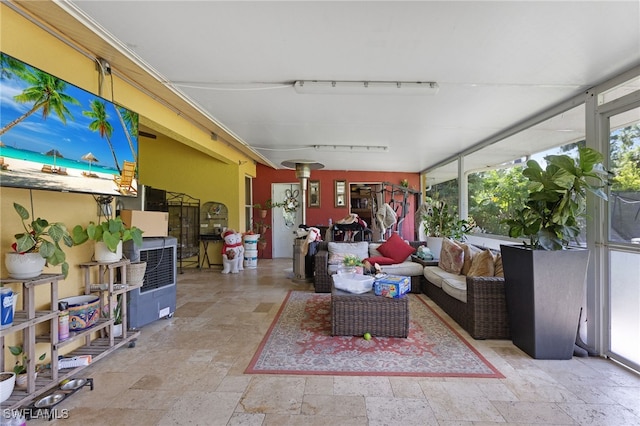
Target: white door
285, 221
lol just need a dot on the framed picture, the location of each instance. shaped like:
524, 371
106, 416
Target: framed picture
314, 193
341, 193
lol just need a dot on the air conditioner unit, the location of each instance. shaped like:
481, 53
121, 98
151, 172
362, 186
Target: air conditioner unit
157, 297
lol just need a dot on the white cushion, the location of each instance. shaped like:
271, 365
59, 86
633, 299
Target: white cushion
456, 287
407, 269
435, 275
337, 250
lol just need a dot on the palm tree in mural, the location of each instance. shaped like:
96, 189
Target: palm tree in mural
101, 125
46, 92
129, 122
10, 66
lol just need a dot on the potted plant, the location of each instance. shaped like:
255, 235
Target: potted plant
441, 222
351, 264
7, 383
20, 368
259, 227
37, 246
116, 314
263, 211
544, 277
117, 319
109, 236
268, 205
262, 243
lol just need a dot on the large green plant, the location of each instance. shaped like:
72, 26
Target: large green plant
441, 221
110, 232
41, 236
557, 199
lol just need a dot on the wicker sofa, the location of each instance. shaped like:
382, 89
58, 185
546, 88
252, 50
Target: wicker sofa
476, 303
323, 270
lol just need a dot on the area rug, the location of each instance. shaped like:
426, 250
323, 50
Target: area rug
299, 341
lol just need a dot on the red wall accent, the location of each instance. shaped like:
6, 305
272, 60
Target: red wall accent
265, 176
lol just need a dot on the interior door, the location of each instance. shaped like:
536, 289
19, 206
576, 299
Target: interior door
285, 221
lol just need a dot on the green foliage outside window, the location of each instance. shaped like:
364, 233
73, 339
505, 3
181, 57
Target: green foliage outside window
496, 195
625, 159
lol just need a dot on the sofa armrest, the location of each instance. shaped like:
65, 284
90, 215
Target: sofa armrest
487, 308
321, 277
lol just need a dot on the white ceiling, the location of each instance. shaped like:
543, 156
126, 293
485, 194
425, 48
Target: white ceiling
496, 63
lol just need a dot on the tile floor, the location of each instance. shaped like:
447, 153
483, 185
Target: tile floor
189, 370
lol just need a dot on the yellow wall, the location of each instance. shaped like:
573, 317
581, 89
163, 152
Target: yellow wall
188, 161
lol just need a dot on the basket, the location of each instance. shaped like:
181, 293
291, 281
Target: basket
135, 272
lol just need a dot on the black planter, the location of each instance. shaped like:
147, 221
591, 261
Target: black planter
544, 292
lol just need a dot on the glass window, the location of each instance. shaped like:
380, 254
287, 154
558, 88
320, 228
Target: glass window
494, 196
624, 163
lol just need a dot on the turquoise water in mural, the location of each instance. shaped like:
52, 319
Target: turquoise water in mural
20, 154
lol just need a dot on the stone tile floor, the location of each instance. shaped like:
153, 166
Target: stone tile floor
189, 370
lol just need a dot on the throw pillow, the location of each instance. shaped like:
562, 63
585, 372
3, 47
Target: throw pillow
451, 257
469, 251
396, 248
482, 265
337, 258
498, 272
381, 260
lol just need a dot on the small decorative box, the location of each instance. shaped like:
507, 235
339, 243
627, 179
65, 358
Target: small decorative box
392, 286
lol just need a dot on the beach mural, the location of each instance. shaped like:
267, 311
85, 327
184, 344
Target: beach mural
56, 136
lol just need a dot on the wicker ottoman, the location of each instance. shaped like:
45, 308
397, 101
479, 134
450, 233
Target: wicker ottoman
356, 314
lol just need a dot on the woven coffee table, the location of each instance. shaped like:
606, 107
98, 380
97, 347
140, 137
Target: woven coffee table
356, 314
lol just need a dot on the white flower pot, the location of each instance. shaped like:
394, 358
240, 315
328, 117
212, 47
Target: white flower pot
117, 330
6, 385
104, 255
24, 265
21, 380
435, 245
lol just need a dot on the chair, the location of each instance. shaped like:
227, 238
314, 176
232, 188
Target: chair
125, 180
3, 165
47, 168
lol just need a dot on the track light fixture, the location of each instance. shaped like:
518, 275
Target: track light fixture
351, 148
323, 87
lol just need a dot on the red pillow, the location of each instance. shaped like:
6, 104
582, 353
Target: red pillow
396, 248
381, 260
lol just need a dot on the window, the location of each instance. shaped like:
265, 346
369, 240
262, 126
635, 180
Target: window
624, 162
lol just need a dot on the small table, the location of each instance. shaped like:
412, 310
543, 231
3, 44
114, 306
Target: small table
206, 239
356, 314
433, 262
416, 259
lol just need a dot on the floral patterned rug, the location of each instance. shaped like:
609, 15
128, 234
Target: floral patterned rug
299, 342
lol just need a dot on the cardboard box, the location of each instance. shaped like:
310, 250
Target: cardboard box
392, 286
154, 224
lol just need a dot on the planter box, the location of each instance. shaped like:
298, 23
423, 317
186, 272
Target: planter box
544, 292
